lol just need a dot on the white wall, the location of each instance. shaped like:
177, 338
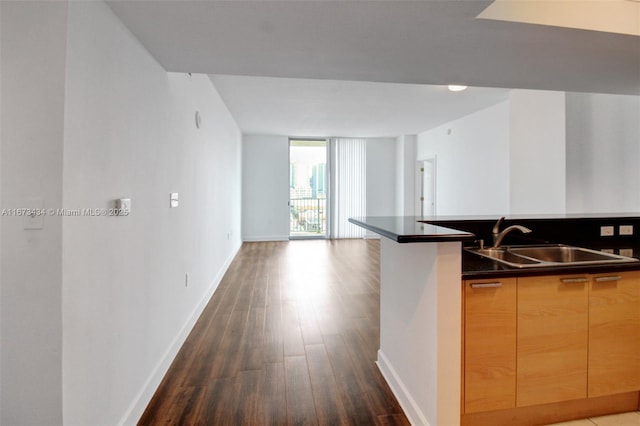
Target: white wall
130, 132
381, 176
603, 153
406, 147
32, 108
265, 188
95, 308
472, 162
537, 152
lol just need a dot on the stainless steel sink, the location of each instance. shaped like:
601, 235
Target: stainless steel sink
548, 255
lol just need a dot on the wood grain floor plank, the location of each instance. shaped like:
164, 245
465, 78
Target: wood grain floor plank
393, 420
247, 398
350, 389
217, 405
301, 408
273, 336
198, 364
252, 353
274, 407
329, 407
292, 333
311, 334
228, 364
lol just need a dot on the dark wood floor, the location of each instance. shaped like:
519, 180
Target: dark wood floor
289, 338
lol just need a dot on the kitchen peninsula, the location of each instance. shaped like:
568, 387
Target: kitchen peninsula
423, 288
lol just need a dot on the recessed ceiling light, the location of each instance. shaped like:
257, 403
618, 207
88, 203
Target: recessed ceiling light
456, 87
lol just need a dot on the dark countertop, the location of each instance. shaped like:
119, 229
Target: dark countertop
557, 216
412, 229
478, 267
407, 229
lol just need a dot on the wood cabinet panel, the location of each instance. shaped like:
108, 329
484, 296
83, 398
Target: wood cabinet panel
552, 345
614, 334
489, 345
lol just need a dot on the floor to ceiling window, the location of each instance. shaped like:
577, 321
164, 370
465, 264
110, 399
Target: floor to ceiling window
308, 188
327, 186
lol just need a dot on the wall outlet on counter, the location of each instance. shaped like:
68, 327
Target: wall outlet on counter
625, 230
626, 252
607, 231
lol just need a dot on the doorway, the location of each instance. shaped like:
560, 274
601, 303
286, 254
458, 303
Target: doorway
426, 187
308, 188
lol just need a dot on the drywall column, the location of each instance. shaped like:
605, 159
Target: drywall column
406, 151
420, 328
34, 36
380, 180
537, 152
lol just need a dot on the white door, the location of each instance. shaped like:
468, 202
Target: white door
426, 187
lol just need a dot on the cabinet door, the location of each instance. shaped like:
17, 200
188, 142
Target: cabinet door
489, 345
614, 333
552, 339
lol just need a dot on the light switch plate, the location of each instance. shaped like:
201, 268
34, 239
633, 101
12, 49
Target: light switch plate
123, 206
173, 200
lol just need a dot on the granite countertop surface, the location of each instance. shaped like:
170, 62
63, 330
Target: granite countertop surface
415, 229
408, 229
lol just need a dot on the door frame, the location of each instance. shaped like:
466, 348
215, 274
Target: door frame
419, 184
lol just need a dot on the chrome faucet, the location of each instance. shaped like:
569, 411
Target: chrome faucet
498, 235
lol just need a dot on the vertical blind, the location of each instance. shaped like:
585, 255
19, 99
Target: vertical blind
350, 166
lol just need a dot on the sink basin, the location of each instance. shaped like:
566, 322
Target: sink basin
505, 256
549, 255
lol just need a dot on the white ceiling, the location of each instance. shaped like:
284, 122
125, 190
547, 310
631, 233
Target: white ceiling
614, 16
433, 42
303, 107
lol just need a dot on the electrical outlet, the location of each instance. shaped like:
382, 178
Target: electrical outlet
626, 252
607, 231
625, 230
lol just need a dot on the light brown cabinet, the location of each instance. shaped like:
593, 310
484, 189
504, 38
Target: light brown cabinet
614, 333
490, 345
552, 339
548, 339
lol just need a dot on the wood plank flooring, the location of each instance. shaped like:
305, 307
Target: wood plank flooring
289, 338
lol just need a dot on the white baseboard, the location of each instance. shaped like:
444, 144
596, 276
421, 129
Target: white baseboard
406, 401
265, 238
142, 399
